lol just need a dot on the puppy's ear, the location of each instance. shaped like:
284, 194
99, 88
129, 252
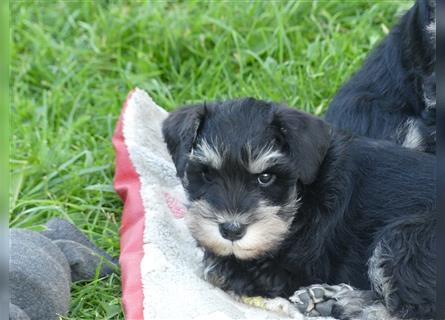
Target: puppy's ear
306, 138
180, 130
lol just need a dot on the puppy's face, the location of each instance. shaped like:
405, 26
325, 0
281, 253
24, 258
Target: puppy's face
242, 173
242, 190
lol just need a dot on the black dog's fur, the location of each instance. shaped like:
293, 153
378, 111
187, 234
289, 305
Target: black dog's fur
393, 96
356, 194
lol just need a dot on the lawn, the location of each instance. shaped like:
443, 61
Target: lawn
74, 62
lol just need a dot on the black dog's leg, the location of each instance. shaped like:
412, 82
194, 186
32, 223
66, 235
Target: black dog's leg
244, 279
402, 271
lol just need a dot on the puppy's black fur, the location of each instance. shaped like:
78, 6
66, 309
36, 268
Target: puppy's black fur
365, 214
393, 96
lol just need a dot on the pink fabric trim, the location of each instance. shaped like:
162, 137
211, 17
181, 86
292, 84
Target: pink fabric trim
128, 186
175, 206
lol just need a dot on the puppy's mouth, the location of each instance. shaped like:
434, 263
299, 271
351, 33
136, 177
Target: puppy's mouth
226, 234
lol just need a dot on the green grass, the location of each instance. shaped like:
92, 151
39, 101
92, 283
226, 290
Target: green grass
74, 62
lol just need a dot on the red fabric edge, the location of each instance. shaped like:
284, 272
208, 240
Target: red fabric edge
128, 186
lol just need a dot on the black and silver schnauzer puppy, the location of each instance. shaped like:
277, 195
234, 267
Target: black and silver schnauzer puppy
279, 200
393, 96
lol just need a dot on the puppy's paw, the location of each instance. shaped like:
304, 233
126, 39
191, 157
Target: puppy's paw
318, 300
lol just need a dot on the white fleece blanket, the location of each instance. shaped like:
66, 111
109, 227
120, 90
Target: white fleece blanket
168, 263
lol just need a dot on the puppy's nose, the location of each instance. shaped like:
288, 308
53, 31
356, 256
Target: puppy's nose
232, 231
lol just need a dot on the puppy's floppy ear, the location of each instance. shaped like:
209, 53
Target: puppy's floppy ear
180, 130
306, 138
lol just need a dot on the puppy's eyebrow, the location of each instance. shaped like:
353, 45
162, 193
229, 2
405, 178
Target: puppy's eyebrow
263, 159
207, 153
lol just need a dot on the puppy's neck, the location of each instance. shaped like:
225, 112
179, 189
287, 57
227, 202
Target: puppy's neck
335, 169
323, 201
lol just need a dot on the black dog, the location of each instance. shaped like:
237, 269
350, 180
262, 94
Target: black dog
279, 200
393, 96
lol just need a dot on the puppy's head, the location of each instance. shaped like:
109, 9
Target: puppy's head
241, 163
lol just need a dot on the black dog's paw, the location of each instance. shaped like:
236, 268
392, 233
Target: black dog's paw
319, 299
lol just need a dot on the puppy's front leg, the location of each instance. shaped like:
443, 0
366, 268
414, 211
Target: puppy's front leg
244, 278
225, 273
245, 285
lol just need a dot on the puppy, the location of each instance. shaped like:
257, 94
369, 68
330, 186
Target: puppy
279, 200
393, 96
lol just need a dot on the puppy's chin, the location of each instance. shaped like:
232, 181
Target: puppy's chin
263, 236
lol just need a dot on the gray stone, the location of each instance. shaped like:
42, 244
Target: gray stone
43, 265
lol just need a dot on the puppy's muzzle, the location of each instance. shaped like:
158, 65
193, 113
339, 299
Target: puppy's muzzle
232, 231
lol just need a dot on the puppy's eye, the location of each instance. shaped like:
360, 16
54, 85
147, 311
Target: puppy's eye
206, 175
266, 179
